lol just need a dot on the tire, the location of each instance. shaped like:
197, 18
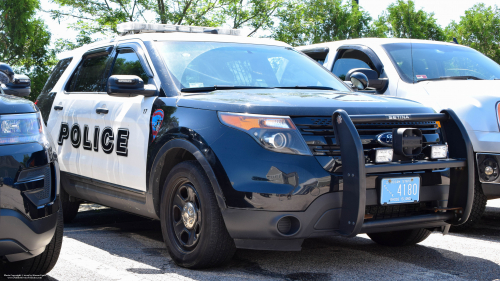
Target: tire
477, 211
43, 263
400, 238
202, 241
70, 209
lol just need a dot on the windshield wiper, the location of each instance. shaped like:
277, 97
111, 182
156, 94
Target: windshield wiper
309, 87
215, 88
452, 78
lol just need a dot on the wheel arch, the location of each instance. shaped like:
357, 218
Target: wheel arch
179, 150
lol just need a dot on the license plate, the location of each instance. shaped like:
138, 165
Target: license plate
399, 190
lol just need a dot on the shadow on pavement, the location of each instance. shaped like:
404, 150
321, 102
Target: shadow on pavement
320, 259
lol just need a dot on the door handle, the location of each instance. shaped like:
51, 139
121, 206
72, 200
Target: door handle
101, 110
58, 107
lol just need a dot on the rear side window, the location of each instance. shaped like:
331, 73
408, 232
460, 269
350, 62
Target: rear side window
127, 63
89, 76
46, 97
55, 75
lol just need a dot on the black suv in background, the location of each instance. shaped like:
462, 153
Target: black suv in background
31, 221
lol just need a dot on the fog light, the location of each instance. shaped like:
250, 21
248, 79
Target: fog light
488, 170
383, 155
439, 151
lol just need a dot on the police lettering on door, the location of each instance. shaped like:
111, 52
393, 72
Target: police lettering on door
106, 138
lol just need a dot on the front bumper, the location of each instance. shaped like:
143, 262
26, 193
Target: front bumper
485, 141
22, 238
345, 212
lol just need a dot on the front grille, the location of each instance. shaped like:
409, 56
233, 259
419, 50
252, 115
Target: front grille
319, 135
395, 211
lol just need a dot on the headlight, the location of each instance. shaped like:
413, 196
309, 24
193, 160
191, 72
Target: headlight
275, 133
21, 128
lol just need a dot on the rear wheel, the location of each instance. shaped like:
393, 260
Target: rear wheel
70, 208
192, 224
43, 263
477, 211
400, 238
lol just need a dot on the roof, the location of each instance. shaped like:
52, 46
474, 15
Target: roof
377, 42
176, 36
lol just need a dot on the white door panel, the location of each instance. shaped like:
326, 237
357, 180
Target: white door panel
128, 118
73, 157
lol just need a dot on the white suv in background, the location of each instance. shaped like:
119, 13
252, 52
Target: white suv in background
439, 75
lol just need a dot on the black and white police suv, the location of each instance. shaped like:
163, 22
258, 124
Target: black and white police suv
236, 142
31, 221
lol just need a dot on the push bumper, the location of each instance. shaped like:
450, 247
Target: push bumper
344, 213
22, 238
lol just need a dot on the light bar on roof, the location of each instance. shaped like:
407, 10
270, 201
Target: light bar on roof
139, 27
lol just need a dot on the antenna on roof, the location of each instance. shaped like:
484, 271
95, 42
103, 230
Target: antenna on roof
454, 40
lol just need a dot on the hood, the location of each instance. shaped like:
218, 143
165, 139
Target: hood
470, 99
299, 102
13, 105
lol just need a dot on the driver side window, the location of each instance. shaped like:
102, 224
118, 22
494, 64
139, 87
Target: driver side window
342, 66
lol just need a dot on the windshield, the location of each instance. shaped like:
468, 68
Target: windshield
419, 62
209, 64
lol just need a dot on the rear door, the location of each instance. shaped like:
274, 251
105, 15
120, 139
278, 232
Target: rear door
71, 123
46, 98
124, 124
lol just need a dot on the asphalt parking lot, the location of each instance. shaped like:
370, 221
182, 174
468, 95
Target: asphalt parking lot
106, 244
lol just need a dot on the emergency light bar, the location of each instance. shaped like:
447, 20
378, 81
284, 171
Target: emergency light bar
139, 27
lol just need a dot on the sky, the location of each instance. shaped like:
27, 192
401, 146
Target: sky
444, 11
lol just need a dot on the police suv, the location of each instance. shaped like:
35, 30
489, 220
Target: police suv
31, 220
237, 142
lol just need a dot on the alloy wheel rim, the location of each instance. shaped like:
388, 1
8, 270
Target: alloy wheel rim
186, 216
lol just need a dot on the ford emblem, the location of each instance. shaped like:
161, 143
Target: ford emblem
385, 139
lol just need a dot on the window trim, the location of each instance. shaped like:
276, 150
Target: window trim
379, 66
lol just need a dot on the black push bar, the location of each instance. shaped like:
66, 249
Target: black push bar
354, 169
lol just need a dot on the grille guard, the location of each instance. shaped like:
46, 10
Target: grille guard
460, 162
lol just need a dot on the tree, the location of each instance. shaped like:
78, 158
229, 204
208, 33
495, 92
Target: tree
479, 28
402, 20
24, 41
314, 21
102, 16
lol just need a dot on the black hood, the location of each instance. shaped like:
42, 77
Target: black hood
299, 102
12, 105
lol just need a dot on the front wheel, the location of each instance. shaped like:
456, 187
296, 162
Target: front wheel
191, 222
400, 238
478, 208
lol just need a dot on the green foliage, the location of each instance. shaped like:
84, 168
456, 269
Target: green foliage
102, 16
402, 20
479, 28
24, 41
314, 21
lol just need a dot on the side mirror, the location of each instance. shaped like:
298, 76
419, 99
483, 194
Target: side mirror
6, 73
19, 86
129, 85
379, 84
359, 80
